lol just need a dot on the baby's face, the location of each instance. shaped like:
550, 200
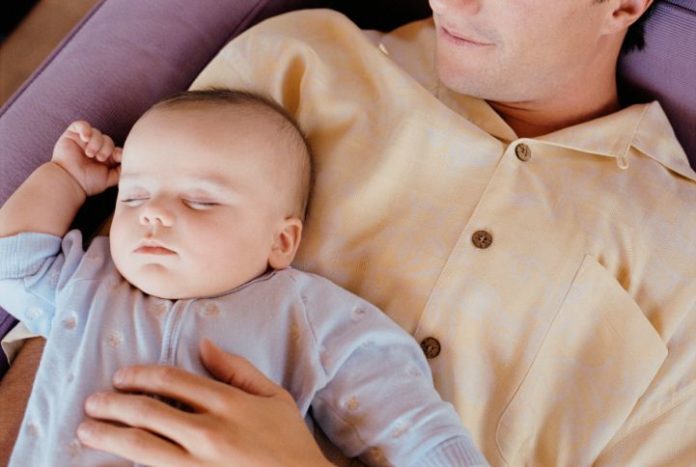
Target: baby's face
199, 202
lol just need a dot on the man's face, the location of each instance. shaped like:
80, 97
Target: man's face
516, 50
199, 199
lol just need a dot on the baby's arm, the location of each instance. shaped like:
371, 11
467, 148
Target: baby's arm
85, 162
378, 401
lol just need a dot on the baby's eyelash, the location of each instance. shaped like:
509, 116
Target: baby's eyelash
201, 204
131, 200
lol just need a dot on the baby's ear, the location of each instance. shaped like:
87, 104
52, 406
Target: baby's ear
286, 241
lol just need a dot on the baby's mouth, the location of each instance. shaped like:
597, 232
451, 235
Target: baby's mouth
154, 250
153, 247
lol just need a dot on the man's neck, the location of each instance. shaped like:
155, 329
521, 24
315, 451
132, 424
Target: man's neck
571, 107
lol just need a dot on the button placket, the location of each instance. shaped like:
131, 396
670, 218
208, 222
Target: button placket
440, 312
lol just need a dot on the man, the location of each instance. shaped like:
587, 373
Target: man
539, 243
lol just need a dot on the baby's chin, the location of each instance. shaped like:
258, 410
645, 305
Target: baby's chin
159, 282
161, 289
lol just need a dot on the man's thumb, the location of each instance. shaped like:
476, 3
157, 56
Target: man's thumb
236, 371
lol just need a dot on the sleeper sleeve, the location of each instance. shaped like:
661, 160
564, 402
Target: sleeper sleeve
379, 401
34, 267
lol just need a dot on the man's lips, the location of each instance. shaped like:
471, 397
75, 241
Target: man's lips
458, 39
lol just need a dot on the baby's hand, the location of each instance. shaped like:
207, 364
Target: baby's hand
89, 156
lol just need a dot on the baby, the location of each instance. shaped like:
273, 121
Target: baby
212, 190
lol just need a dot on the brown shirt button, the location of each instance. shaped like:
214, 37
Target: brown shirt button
523, 152
482, 239
431, 347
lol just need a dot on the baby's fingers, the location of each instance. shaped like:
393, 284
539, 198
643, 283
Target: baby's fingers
106, 150
117, 154
82, 129
95, 143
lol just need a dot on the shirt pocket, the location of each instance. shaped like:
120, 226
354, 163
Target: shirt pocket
596, 360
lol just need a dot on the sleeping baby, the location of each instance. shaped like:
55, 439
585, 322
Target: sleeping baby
212, 191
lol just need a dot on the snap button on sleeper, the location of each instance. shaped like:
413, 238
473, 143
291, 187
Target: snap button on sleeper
431, 347
114, 339
523, 152
482, 239
34, 312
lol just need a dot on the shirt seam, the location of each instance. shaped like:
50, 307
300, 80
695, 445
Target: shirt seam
312, 332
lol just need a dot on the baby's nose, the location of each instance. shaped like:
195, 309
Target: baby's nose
156, 215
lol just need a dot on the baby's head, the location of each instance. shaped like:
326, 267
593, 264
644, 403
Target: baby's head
212, 193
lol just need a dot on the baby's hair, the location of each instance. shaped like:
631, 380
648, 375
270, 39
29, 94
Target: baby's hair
287, 125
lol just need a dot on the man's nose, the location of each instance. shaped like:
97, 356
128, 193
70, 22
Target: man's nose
155, 213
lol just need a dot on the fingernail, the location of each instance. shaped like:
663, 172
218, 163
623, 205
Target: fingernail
84, 431
92, 402
119, 377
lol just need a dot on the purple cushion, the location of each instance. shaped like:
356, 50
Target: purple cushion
666, 69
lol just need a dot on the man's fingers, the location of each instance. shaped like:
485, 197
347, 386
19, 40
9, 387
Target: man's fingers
236, 371
134, 444
200, 393
141, 411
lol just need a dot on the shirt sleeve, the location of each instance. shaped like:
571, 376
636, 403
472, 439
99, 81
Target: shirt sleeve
379, 401
33, 268
14, 340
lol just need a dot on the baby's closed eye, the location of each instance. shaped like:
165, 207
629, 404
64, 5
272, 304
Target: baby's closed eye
200, 204
133, 201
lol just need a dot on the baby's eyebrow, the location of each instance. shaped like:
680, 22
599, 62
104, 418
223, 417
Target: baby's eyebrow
211, 183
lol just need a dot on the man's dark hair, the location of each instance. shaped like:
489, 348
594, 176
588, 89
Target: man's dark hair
288, 127
635, 37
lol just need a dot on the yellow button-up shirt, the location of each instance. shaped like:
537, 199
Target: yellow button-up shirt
571, 338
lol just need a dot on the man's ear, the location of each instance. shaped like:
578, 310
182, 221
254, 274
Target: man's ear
624, 13
286, 241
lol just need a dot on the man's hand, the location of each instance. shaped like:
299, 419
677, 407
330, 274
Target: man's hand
242, 419
89, 156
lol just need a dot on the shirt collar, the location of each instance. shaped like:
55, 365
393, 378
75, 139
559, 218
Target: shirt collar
644, 127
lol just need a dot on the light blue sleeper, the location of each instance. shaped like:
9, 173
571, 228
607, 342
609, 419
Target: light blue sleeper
364, 378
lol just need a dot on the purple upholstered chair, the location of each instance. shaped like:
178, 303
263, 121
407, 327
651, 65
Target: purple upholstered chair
127, 54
